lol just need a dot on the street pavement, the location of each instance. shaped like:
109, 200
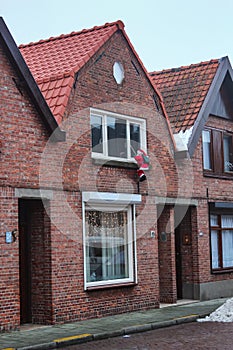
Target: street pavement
186, 336
60, 336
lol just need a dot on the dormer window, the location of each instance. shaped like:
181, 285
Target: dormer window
228, 153
116, 137
217, 147
206, 147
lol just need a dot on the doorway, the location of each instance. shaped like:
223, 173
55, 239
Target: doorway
178, 252
184, 251
34, 262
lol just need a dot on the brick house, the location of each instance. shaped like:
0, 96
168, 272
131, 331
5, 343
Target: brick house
79, 236
198, 100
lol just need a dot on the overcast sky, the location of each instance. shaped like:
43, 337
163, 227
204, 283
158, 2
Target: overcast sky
165, 33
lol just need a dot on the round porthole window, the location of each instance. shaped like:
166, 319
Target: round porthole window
118, 72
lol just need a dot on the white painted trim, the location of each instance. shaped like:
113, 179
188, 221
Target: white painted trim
129, 119
84, 245
176, 201
111, 198
135, 243
114, 201
33, 193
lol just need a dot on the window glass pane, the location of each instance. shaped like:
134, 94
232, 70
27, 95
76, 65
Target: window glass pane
214, 249
228, 150
106, 246
96, 134
227, 248
206, 146
117, 143
213, 220
227, 221
134, 139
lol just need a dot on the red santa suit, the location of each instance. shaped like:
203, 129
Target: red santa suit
142, 160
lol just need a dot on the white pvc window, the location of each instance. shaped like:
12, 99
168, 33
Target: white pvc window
221, 241
116, 137
109, 243
206, 148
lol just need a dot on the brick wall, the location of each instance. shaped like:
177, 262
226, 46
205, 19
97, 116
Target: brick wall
23, 137
208, 189
67, 169
9, 271
96, 87
167, 267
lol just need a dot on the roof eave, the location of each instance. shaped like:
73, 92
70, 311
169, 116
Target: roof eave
34, 92
223, 68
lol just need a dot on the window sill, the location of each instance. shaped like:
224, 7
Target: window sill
219, 176
110, 286
222, 271
114, 163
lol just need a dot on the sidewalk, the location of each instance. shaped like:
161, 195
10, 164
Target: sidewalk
52, 337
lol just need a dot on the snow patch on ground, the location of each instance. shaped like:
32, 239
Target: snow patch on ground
223, 314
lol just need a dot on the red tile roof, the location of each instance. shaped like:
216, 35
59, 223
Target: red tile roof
184, 90
25, 75
54, 62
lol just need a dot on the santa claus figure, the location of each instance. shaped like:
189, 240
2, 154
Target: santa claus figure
142, 160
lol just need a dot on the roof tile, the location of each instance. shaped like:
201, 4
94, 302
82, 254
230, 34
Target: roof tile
54, 62
184, 90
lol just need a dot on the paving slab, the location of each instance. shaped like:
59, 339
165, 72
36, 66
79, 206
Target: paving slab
52, 337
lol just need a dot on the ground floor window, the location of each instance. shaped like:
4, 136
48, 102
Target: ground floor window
221, 231
109, 245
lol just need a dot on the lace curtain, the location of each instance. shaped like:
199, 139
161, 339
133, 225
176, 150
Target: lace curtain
106, 245
227, 240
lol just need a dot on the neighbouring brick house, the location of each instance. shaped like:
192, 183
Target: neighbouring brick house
26, 125
199, 102
87, 239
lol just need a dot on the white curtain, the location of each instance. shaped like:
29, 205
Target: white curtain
214, 249
227, 240
213, 220
206, 143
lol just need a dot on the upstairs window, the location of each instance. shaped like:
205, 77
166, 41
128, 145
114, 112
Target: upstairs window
217, 148
227, 151
206, 147
116, 137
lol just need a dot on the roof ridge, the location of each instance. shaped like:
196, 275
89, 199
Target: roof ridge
192, 65
118, 23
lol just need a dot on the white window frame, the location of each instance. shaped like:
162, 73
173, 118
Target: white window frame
109, 202
220, 253
207, 152
128, 119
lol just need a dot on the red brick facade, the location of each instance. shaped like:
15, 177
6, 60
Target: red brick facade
56, 249
46, 262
